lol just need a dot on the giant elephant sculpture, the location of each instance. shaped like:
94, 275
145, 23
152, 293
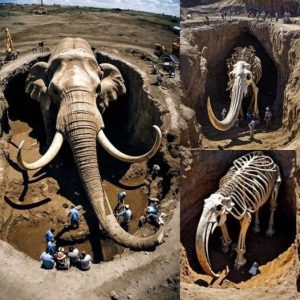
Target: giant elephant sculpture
70, 88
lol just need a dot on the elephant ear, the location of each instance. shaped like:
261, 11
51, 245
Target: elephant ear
36, 84
112, 85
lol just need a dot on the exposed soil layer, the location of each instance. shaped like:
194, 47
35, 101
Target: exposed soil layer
277, 46
269, 6
276, 255
39, 200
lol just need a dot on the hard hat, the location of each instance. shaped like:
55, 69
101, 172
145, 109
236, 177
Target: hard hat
267, 108
126, 206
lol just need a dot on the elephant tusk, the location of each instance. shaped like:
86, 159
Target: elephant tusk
46, 158
106, 144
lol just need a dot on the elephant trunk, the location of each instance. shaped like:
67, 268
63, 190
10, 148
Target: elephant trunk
237, 93
204, 230
77, 119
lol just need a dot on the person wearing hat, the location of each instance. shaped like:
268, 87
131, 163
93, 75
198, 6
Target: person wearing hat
74, 216
47, 260
63, 262
85, 261
155, 170
126, 215
120, 205
49, 235
251, 126
73, 256
268, 117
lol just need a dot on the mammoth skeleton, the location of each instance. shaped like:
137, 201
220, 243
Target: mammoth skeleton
244, 71
71, 87
249, 183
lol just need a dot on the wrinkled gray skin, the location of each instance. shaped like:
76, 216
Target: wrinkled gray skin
73, 84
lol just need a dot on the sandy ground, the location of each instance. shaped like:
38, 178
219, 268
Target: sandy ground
130, 36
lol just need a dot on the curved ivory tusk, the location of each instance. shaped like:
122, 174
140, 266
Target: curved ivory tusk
46, 158
106, 144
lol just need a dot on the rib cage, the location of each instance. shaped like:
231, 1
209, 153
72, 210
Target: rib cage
249, 182
246, 54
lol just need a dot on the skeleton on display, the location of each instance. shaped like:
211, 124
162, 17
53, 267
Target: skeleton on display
244, 71
245, 188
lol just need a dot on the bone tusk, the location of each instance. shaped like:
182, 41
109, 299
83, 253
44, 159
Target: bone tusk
46, 158
106, 144
204, 230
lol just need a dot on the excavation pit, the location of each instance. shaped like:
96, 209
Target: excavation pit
275, 46
217, 78
275, 255
35, 201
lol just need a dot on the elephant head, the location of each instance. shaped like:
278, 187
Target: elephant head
240, 78
73, 81
214, 214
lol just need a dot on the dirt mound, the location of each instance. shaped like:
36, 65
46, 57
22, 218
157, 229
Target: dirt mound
269, 6
273, 6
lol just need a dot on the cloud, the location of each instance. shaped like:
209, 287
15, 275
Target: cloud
168, 7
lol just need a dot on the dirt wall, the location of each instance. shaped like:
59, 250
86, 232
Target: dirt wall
272, 6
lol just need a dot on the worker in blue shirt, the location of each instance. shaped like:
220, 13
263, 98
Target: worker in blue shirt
49, 235
52, 248
74, 216
120, 205
126, 214
47, 260
151, 216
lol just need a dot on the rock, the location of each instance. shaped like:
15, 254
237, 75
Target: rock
129, 296
114, 295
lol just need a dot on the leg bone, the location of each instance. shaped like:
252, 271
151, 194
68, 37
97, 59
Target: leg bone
226, 240
241, 247
256, 228
273, 206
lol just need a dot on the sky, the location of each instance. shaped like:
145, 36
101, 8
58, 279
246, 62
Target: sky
168, 7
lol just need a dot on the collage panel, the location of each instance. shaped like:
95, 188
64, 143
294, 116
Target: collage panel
89, 159
239, 219
242, 63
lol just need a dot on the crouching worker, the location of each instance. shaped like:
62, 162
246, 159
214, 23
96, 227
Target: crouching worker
73, 256
62, 261
47, 260
151, 216
85, 261
126, 214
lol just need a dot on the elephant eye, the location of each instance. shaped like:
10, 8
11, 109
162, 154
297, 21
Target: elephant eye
219, 207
